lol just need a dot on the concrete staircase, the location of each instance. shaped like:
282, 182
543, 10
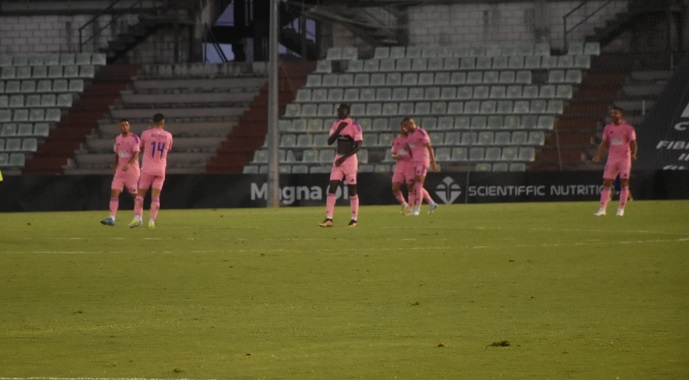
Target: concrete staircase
249, 134
71, 131
568, 147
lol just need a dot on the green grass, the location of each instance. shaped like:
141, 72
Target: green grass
265, 293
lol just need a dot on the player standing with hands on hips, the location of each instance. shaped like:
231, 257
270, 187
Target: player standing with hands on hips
349, 137
155, 144
619, 138
126, 171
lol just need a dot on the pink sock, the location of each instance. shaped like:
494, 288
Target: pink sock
624, 194
418, 189
330, 205
138, 206
400, 197
155, 207
604, 197
427, 196
354, 202
114, 205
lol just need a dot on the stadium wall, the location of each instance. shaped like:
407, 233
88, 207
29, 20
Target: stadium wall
76, 193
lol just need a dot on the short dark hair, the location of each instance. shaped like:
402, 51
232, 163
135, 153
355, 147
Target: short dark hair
157, 118
344, 105
617, 108
124, 121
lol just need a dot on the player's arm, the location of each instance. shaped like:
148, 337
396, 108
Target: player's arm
633, 148
355, 148
431, 155
117, 160
334, 135
601, 149
133, 160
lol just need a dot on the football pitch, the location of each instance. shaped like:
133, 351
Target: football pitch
515, 291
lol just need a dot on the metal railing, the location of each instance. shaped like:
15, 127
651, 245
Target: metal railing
568, 30
110, 10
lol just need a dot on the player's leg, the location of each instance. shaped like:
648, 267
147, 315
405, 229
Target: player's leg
430, 201
625, 169
398, 177
609, 174
604, 196
156, 189
350, 178
115, 191
330, 200
145, 182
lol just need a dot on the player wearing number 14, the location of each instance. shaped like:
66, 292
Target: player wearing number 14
155, 144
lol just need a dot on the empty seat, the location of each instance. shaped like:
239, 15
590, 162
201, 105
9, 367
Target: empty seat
381, 52
519, 138
509, 153
402, 64
17, 159
29, 144
493, 153
527, 154
25, 129
460, 154
386, 65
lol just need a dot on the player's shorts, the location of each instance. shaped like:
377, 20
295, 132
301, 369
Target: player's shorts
128, 180
346, 171
148, 180
403, 172
623, 167
420, 169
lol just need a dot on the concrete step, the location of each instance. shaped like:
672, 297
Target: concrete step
184, 113
224, 84
180, 144
137, 99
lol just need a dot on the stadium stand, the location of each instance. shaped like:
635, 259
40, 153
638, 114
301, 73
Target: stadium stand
35, 92
465, 96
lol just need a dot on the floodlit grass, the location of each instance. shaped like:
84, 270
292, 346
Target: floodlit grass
518, 291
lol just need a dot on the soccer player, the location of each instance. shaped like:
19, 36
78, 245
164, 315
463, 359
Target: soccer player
126, 170
423, 156
403, 172
349, 137
155, 144
619, 138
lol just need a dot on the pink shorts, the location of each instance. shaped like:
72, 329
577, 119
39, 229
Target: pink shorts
149, 180
403, 173
346, 171
617, 166
420, 169
128, 180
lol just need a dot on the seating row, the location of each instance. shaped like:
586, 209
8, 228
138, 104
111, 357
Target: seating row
314, 155
41, 72
376, 168
36, 100
41, 85
49, 59
478, 153
471, 107
430, 123
24, 129
448, 138
483, 50
33, 115
16, 159
27, 144
434, 92
413, 79
490, 50
466, 63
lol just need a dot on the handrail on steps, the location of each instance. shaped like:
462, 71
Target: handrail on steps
109, 10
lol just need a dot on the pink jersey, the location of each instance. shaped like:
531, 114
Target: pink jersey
417, 142
351, 131
400, 149
155, 143
618, 138
125, 147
